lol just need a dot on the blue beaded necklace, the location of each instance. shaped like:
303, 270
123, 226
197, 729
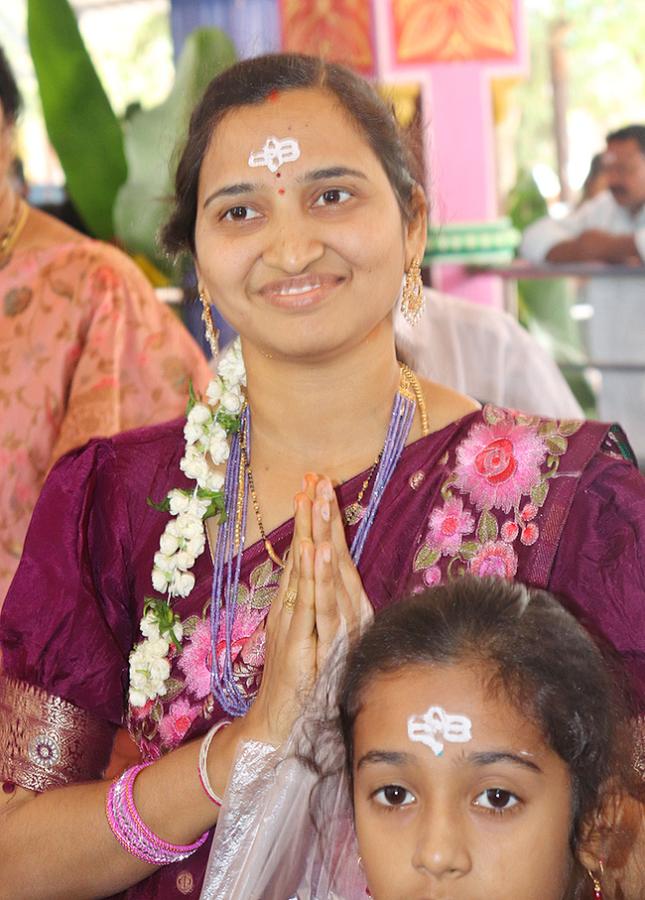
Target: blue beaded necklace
229, 548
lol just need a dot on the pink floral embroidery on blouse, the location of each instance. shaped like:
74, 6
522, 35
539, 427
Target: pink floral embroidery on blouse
498, 463
448, 524
495, 558
493, 495
175, 724
195, 660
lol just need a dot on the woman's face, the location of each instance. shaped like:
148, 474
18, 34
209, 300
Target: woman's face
305, 261
489, 817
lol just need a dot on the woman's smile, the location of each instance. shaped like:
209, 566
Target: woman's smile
300, 291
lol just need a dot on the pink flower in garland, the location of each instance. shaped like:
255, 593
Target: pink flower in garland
495, 558
178, 719
497, 464
447, 526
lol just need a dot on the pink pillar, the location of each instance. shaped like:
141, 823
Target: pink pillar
459, 138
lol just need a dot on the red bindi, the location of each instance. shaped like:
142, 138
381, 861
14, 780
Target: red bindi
281, 190
272, 96
278, 174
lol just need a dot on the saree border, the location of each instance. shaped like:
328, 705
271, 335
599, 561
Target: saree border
46, 741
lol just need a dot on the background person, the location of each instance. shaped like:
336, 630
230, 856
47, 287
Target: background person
420, 484
485, 353
86, 348
609, 228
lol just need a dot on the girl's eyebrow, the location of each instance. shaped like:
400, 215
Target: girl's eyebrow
490, 757
390, 757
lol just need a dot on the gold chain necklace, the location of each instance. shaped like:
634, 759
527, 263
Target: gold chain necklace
11, 235
409, 386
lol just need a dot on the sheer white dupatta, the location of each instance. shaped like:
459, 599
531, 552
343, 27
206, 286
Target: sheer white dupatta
285, 831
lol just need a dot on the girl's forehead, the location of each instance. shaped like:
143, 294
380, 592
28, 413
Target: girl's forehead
390, 700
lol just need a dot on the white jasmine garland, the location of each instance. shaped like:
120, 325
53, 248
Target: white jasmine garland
209, 424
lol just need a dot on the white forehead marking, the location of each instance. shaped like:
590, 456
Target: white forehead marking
275, 152
436, 722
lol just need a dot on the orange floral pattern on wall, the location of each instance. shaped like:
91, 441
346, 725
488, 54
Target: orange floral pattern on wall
449, 30
338, 30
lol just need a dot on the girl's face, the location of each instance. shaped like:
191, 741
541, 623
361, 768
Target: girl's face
305, 261
489, 817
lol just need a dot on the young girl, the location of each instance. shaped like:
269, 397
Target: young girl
485, 746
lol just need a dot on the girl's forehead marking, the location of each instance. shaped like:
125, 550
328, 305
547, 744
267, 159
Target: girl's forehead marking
436, 725
273, 95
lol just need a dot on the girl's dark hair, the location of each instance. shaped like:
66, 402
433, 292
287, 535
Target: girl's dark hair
536, 653
252, 81
9, 93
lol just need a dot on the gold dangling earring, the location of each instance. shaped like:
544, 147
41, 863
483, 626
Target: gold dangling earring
597, 886
212, 334
412, 296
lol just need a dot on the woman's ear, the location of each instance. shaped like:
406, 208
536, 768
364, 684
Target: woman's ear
416, 229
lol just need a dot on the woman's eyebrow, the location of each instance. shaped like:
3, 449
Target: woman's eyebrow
390, 757
231, 190
331, 172
490, 757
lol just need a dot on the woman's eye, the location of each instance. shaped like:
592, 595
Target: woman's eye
332, 197
496, 799
240, 214
394, 795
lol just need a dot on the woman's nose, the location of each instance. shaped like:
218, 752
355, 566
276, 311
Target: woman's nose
292, 245
442, 846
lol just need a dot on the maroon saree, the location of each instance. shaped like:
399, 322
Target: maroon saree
556, 504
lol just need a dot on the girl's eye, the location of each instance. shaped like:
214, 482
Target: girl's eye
332, 197
394, 795
240, 214
496, 799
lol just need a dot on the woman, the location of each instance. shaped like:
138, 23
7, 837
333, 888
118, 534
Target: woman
295, 195
460, 739
86, 349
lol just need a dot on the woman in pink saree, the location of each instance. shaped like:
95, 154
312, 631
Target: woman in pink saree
86, 348
298, 201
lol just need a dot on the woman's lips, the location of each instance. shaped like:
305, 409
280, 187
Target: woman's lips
300, 291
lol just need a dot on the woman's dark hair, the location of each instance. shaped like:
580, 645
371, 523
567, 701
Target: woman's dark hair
252, 81
9, 93
536, 653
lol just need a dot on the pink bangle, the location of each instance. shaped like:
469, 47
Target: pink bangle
132, 833
202, 769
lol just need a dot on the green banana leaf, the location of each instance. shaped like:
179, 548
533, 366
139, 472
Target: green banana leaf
81, 124
150, 140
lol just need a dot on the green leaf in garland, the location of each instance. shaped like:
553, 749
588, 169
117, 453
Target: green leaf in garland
164, 506
426, 557
192, 397
487, 529
229, 421
82, 126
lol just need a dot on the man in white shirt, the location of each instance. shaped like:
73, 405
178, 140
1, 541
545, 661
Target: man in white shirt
609, 228
485, 353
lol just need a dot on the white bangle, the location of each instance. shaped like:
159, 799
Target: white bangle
203, 762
